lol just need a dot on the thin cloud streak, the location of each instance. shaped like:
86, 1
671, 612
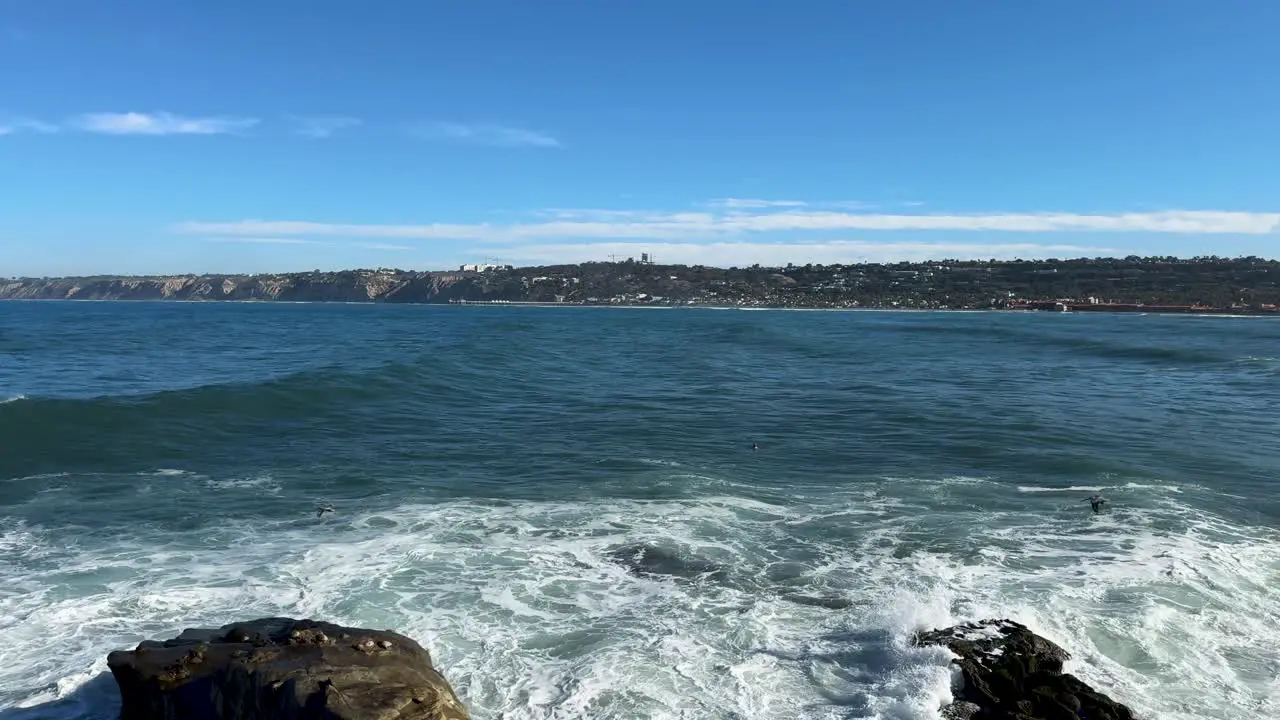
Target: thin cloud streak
12, 126
712, 226
384, 246
743, 203
265, 241
159, 123
484, 134
307, 241
320, 127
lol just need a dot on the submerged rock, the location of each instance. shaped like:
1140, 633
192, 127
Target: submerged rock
830, 602
655, 561
1010, 673
282, 668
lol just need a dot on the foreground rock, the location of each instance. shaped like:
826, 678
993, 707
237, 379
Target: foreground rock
282, 668
1010, 673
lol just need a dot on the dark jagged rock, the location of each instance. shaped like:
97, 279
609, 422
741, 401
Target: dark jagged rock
1010, 673
282, 668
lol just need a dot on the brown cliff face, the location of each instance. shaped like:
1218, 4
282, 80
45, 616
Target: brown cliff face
355, 286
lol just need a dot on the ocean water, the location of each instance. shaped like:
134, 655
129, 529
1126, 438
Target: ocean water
564, 507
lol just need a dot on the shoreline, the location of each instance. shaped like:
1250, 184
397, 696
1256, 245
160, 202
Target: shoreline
699, 306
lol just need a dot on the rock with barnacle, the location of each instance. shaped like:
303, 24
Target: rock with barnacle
282, 668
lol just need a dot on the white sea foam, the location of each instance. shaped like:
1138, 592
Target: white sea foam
962, 480
659, 462
1068, 488
524, 608
1097, 488
262, 482
12, 398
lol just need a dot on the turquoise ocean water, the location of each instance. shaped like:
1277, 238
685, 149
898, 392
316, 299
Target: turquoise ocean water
564, 506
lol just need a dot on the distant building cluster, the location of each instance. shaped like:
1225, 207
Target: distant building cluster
645, 259
483, 267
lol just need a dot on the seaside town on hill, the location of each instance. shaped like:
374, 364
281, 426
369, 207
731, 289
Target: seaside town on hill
1248, 285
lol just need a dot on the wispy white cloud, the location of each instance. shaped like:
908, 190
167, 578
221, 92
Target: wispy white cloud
724, 254
613, 215
484, 134
322, 126
13, 125
159, 123
296, 227
585, 224
384, 246
745, 203
309, 241
266, 240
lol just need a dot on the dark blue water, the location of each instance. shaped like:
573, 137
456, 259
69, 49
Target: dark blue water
497, 470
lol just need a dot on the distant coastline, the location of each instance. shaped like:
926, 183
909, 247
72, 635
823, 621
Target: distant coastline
1039, 307
1197, 286
1266, 313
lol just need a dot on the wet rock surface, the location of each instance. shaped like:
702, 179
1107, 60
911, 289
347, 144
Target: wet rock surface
1010, 673
282, 668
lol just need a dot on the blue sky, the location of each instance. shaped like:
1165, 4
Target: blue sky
233, 136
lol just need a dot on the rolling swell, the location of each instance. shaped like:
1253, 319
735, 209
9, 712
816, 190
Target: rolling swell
1103, 346
177, 427
1156, 354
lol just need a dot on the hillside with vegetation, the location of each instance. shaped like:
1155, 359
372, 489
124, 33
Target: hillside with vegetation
1247, 284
